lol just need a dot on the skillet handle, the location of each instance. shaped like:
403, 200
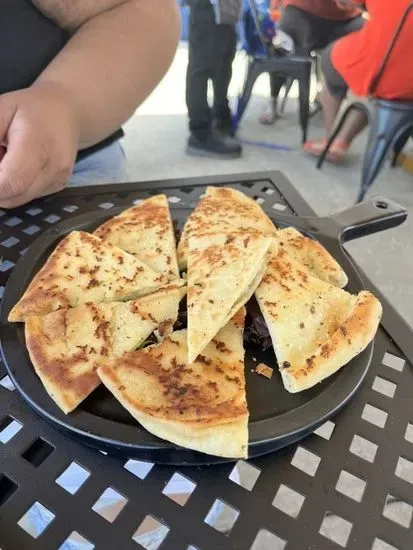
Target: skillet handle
368, 217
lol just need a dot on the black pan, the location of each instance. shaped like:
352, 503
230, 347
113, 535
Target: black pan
277, 418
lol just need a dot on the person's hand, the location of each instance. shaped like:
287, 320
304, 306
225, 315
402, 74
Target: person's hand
39, 140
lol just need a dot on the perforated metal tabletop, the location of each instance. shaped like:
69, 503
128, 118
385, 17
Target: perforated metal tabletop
348, 485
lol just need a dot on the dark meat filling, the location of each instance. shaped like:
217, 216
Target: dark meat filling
256, 331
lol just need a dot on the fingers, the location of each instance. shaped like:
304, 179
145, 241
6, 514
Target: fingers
48, 182
22, 165
38, 189
38, 144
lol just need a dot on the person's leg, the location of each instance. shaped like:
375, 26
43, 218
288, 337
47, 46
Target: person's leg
200, 65
333, 91
296, 23
338, 29
107, 165
330, 104
356, 122
225, 49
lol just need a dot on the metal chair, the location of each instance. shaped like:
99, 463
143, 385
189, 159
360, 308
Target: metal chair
390, 124
295, 67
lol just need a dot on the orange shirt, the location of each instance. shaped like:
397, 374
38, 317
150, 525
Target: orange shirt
327, 9
358, 56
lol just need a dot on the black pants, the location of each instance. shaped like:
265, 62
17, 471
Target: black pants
310, 32
211, 53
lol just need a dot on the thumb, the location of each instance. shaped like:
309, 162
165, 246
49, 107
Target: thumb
8, 110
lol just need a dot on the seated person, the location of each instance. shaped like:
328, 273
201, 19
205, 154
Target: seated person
354, 61
73, 71
312, 24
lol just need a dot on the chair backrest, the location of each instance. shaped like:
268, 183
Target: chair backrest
380, 71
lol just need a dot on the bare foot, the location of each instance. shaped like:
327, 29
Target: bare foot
336, 153
269, 115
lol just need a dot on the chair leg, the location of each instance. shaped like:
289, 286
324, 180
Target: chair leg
287, 88
337, 128
251, 76
399, 145
381, 139
304, 100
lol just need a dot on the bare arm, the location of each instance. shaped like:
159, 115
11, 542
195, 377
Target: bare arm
118, 53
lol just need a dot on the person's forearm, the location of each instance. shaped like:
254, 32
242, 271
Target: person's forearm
113, 62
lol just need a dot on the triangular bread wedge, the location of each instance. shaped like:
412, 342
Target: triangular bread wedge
316, 328
146, 231
200, 406
85, 269
312, 255
223, 210
67, 346
223, 272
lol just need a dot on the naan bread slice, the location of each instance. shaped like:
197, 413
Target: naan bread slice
67, 346
224, 210
316, 328
85, 269
200, 406
223, 272
312, 255
146, 231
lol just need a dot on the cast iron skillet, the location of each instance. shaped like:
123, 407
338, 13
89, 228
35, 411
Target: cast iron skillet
277, 418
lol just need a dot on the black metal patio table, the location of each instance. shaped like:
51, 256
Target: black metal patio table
348, 485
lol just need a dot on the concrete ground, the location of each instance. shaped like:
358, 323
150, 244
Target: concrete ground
155, 147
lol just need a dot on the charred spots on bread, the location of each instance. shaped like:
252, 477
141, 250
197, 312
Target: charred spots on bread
204, 360
92, 283
221, 346
303, 276
231, 379
164, 326
310, 362
325, 350
102, 329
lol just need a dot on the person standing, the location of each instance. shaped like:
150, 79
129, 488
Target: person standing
211, 52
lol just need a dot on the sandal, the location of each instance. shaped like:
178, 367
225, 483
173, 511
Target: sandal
337, 152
